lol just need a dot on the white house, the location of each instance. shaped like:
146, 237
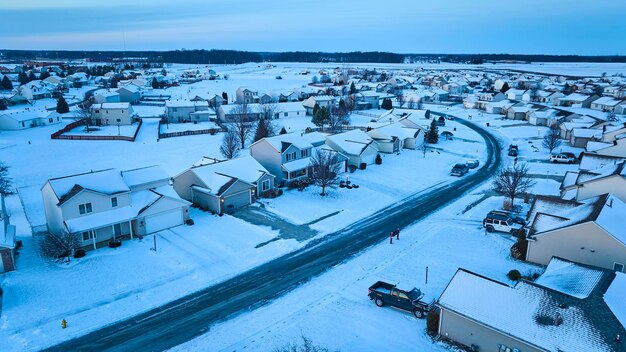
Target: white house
393, 137
356, 145
289, 110
187, 111
22, 119
106, 96
606, 104
110, 205
113, 113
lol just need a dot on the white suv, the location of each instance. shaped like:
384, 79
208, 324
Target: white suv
562, 158
501, 223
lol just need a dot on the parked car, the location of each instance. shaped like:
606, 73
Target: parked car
472, 164
383, 293
500, 222
570, 155
516, 218
459, 170
562, 158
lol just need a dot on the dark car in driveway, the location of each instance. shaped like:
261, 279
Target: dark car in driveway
459, 170
383, 293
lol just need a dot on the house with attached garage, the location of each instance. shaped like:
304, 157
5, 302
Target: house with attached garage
394, 137
245, 95
289, 110
356, 145
113, 113
576, 100
35, 90
570, 307
286, 156
105, 96
606, 104
584, 184
129, 93
106, 205
230, 112
543, 117
617, 148
323, 101
187, 111
22, 119
589, 232
245, 168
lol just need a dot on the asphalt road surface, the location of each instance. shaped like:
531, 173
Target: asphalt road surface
188, 317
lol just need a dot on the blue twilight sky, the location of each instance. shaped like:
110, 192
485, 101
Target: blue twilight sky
593, 27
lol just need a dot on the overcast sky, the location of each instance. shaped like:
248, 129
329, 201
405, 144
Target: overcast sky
595, 27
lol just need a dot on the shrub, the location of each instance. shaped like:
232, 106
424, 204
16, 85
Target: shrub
514, 275
379, 160
352, 168
79, 253
363, 166
279, 192
432, 323
189, 222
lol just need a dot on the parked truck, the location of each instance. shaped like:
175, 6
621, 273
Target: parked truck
385, 294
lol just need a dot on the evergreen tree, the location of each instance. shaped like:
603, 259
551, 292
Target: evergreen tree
352, 88
6, 83
44, 75
432, 136
22, 78
321, 117
387, 105
225, 97
31, 77
316, 107
283, 131
155, 83
505, 87
114, 82
62, 106
263, 129
3, 104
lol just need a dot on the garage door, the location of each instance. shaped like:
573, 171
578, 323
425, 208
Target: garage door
164, 221
369, 157
237, 200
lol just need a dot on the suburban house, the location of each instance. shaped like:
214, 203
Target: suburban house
245, 95
606, 104
579, 137
356, 145
35, 90
288, 110
543, 117
230, 112
393, 137
617, 148
224, 185
592, 161
518, 112
105, 96
589, 232
110, 205
7, 241
488, 97
584, 184
286, 156
22, 119
498, 107
570, 307
187, 111
576, 100
129, 93
515, 94
323, 101
113, 113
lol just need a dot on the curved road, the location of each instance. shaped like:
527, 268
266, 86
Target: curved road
182, 320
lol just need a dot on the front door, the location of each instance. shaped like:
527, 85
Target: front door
117, 230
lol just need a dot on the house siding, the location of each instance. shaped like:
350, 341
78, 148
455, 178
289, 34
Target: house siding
269, 157
460, 329
616, 185
585, 243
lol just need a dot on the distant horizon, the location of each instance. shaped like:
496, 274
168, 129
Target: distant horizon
556, 27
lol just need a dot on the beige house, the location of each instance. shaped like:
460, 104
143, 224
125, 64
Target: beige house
565, 309
581, 185
356, 145
113, 113
110, 205
394, 137
591, 232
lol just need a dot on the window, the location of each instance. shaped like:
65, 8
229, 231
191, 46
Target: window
119, 120
58, 118
23, 124
286, 114
618, 267
114, 202
87, 235
305, 153
265, 185
51, 120
85, 208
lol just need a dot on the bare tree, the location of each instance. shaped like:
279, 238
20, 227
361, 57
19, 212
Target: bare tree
230, 144
325, 166
513, 181
338, 118
611, 116
552, 138
268, 111
400, 98
411, 104
242, 123
56, 246
84, 112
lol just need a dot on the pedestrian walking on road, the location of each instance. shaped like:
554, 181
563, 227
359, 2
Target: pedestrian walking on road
391, 237
398, 234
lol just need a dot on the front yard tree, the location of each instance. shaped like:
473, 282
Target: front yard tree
552, 138
325, 167
230, 144
56, 246
242, 123
337, 119
155, 83
264, 129
432, 135
513, 182
387, 105
352, 88
6, 83
505, 87
84, 113
269, 110
321, 117
62, 106
3, 104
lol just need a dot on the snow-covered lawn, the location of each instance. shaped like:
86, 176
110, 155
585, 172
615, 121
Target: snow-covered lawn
182, 127
109, 130
334, 310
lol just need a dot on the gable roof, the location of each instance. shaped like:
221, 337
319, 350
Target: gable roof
282, 142
245, 168
144, 175
104, 181
352, 142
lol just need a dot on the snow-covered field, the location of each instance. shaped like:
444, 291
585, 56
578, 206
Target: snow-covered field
182, 127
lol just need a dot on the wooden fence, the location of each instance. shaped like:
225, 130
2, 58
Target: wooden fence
60, 134
210, 131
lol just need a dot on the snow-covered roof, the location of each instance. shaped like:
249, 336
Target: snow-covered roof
587, 132
245, 168
591, 161
144, 175
297, 164
614, 297
351, 142
290, 107
231, 108
282, 141
574, 97
103, 181
569, 278
184, 103
606, 101
111, 106
525, 311
593, 146
395, 129
315, 138
101, 219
